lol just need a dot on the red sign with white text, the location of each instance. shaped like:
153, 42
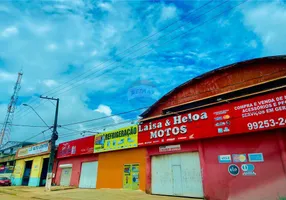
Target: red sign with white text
258, 113
76, 147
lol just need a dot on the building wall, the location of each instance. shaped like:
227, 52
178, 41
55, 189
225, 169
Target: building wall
242, 75
35, 171
110, 167
269, 181
76, 167
218, 184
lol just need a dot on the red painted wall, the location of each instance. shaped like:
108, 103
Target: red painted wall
267, 184
218, 184
76, 167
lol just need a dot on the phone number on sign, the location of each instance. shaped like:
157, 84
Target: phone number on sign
266, 123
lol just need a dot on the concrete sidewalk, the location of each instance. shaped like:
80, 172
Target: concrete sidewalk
62, 193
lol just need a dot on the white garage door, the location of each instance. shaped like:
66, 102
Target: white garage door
177, 175
88, 175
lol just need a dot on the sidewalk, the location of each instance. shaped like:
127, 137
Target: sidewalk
67, 193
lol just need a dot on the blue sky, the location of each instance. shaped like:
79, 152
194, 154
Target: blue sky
85, 44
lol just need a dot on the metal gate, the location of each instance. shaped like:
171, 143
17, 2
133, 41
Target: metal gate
66, 176
88, 175
177, 175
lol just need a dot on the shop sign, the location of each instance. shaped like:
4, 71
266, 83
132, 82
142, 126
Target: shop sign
258, 113
233, 170
255, 157
224, 159
170, 148
76, 147
117, 139
36, 149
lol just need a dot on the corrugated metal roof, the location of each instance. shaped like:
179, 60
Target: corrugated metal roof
205, 75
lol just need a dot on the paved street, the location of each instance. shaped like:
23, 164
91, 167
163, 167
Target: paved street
24, 193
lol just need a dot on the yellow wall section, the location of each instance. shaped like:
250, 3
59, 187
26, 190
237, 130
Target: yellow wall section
110, 167
36, 167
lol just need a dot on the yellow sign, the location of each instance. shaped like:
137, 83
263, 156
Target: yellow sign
118, 139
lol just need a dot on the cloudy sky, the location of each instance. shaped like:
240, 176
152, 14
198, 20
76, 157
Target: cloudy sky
94, 54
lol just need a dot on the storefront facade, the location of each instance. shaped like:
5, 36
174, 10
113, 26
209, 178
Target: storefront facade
7, 157
120, 163
76, 165
221, 135
31, 165
106, 160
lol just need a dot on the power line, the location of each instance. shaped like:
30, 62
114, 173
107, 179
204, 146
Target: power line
26, 125
42, 132
69, 87
171, 39
94, 128
142, 107
144, 39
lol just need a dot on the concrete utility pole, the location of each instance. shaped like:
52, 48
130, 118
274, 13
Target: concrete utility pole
53, 145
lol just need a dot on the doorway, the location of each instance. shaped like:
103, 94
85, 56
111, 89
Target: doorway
177, 175
88, 175
44, 172
27, 172
131, 177
66, 176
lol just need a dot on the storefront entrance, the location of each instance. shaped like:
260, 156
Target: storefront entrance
88, 175
66, 176
27, 172
177, 175
44, 172
131, 177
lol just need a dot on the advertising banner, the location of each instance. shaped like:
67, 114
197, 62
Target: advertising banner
118, 139
258, 113
76, 147
36, 149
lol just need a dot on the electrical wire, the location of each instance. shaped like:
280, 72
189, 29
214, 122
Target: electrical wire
136, 44
209, 20
144, 40
26, 125
42, 132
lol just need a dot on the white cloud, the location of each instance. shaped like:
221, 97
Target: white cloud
9, 31
168, 12
104, 109
93, 53
81, 43
52, 47
6, 76
50, 83
268, 21
105, 6
4, 8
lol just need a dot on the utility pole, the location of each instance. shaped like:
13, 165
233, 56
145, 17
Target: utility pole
53, 145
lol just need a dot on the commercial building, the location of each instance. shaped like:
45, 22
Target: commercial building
7, 157
100, 162
76, 165
31, 165
221, 135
